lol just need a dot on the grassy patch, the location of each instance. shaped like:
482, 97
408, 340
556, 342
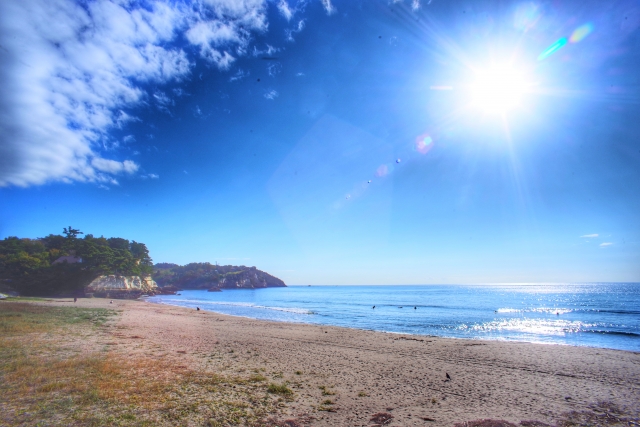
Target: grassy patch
43, 383
282, 389
19, 318
257, 378
325, 391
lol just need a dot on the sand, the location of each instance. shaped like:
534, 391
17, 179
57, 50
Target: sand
364, 372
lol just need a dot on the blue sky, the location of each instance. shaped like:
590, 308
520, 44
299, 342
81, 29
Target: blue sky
331, 142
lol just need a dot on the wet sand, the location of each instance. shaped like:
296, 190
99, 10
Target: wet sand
363, 373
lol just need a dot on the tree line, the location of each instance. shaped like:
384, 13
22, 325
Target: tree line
33, 267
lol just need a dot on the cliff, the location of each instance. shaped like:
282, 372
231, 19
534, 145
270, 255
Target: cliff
250, 278
114, 286
209, 276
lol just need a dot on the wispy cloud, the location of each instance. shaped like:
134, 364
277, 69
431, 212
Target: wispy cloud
285, 10
605, 244
271, 94
114, 167
589, 236
328, 7
274, 69
239, 75
71, 69
296, 29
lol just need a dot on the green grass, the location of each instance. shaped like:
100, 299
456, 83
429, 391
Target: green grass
23, 318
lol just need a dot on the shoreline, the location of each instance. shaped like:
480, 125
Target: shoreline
342, 376
477, 338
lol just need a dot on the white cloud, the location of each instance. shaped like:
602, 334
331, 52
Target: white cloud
232, 23
328, 6
415, 4
239, 75
274, 69
605, 244
163, 99
285, 10
150, 176
296, 29
269, 51
114, 167
271, 94
69, 70
589, 236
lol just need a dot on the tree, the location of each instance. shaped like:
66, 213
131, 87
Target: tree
71, 233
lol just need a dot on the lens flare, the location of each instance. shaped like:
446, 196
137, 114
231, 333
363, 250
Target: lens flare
383, 170
526, 16
552, 49
581, 32
424, 143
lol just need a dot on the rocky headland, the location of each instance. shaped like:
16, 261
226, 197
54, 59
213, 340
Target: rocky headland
212, 277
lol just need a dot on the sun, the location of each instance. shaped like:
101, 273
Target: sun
499, 88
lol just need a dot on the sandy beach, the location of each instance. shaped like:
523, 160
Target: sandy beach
342, 377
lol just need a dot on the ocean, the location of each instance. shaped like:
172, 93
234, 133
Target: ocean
603, 315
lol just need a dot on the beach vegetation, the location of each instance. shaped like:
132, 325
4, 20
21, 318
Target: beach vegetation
49, 370
282, 389
257, 378
326, 391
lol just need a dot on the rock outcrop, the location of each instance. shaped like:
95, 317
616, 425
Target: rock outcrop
250, 278
212, 277
114, 286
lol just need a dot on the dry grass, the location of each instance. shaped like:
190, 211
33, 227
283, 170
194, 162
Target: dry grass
282, 389
43, 382
326, 392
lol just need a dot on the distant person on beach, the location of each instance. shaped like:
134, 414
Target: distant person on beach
75, 299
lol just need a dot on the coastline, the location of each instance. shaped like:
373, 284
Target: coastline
362, 372
571, 314
382, 331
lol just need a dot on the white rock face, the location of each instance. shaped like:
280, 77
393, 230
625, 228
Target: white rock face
115, 283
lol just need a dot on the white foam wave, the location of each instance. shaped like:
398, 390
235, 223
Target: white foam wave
202, 303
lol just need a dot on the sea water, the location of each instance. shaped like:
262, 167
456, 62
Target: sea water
595, 314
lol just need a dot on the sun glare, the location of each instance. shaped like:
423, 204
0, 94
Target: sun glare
499, 89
